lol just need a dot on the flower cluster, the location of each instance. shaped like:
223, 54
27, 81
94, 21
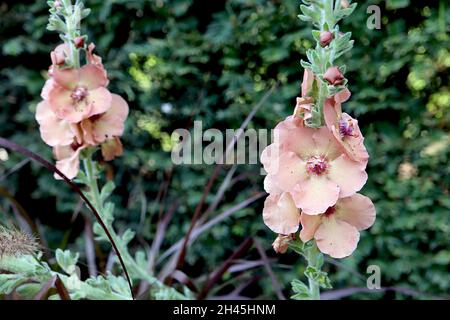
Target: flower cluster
78, 111
314, 174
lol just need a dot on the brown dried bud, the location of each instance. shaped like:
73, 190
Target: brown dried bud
281, 243
334, 76
111, 149
325, 38
345, 4
79, 42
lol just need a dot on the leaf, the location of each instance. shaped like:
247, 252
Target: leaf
301, 290
8, 282
67, 260
107, 190
320, 277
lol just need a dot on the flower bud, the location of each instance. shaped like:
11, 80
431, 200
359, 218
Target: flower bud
57, 4
58, 57
79, 42
325, 38
334, 76
345, 4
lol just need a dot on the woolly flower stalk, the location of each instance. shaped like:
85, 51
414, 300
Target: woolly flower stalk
316, 164
16, 243
78, 111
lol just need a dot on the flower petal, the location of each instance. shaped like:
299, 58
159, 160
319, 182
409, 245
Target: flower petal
343, 96
92, 77
87, 128
310, 224
291, 170
326, 144
330, 115
291, 135
349, 175
270, 185
315, 195
67, 78
100, 100
269, 158
108, 125
54, 131
280, 214
47, 88
357, 210
336, 238
68, 161
307, 83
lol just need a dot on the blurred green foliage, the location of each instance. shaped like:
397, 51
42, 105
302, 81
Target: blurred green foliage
183, 60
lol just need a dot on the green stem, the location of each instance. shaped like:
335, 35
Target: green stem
322, 96
135, 269
311, 257
73, 30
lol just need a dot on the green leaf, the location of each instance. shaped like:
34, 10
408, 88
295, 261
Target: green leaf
8, 282
319, 277
107, 190
301, 290
67, 260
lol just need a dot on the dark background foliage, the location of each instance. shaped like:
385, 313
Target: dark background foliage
183, 60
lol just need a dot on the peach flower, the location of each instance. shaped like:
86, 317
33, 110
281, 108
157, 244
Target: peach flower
337, 230
312, 166
77, 94
346, 131
102, 127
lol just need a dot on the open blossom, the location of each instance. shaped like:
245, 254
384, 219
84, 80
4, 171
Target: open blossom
337, 230
312, 166
78, 112
346, 131
77, 94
